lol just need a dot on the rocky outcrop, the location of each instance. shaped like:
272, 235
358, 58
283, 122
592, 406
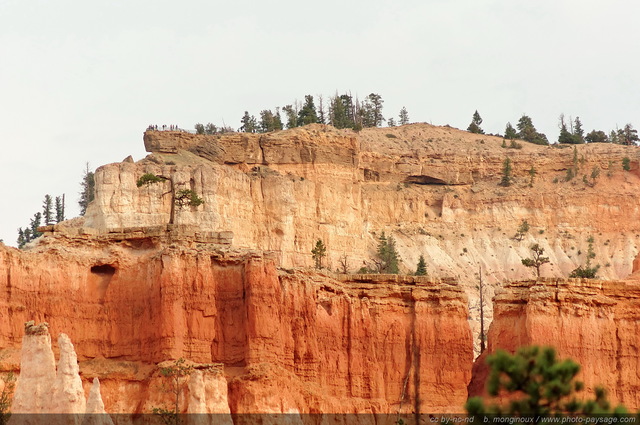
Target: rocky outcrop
593, 322
33, 387
42, 391
238, 309
435, 189
67, 394
95, 412
282, 191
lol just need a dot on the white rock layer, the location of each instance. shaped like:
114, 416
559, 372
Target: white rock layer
37, 371
208, 399
67, 394
96, 415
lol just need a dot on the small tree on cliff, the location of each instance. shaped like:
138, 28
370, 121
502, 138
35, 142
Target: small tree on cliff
421, 268
586, 271
87, 193
537, 259
178, 373
183, 198
506, 173
318, 253
522, 230
539, 385
387, 255
474, 127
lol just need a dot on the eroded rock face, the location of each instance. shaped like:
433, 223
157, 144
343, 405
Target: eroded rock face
358, 344
208, 401
34, 384
95, 413
593, 322
67, 394
434, 189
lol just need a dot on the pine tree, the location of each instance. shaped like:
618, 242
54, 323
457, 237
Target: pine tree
374, 102
586, 271
537, 259
391, 122
532, 175
210, 128
59, 208
270, 121
341, 112
565, 136
318, 253
421, 269
538, 386
404, 116
527, 131
578, 132
628, 135
249, 123
21, 238
27, 235
199, 129
474, 127
47, 210
387, 255
510, 132
292, 116
308, 114
506, 173
321, 110
88, 188
596, 137
36, 222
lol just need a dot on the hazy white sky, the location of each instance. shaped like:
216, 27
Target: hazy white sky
80, 80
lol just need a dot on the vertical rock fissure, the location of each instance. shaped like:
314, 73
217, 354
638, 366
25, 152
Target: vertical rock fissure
410, 356
415, 360
619, 383
350, 363
262, 157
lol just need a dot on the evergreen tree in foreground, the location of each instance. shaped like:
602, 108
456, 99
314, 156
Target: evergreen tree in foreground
539, 386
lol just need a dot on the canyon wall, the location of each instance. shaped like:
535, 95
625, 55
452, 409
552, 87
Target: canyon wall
592, 322
341, 345
435, 189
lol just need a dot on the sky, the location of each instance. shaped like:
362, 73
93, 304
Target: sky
81, 80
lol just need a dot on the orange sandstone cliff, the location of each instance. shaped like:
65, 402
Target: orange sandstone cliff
227, 284
434, 189
593, 322
286, 340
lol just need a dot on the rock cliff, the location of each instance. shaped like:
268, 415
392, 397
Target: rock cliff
593, 322
228, 283
435, 189
343, 345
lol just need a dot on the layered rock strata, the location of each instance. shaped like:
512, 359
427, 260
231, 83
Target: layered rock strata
345, 346
593, 322
434, 189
